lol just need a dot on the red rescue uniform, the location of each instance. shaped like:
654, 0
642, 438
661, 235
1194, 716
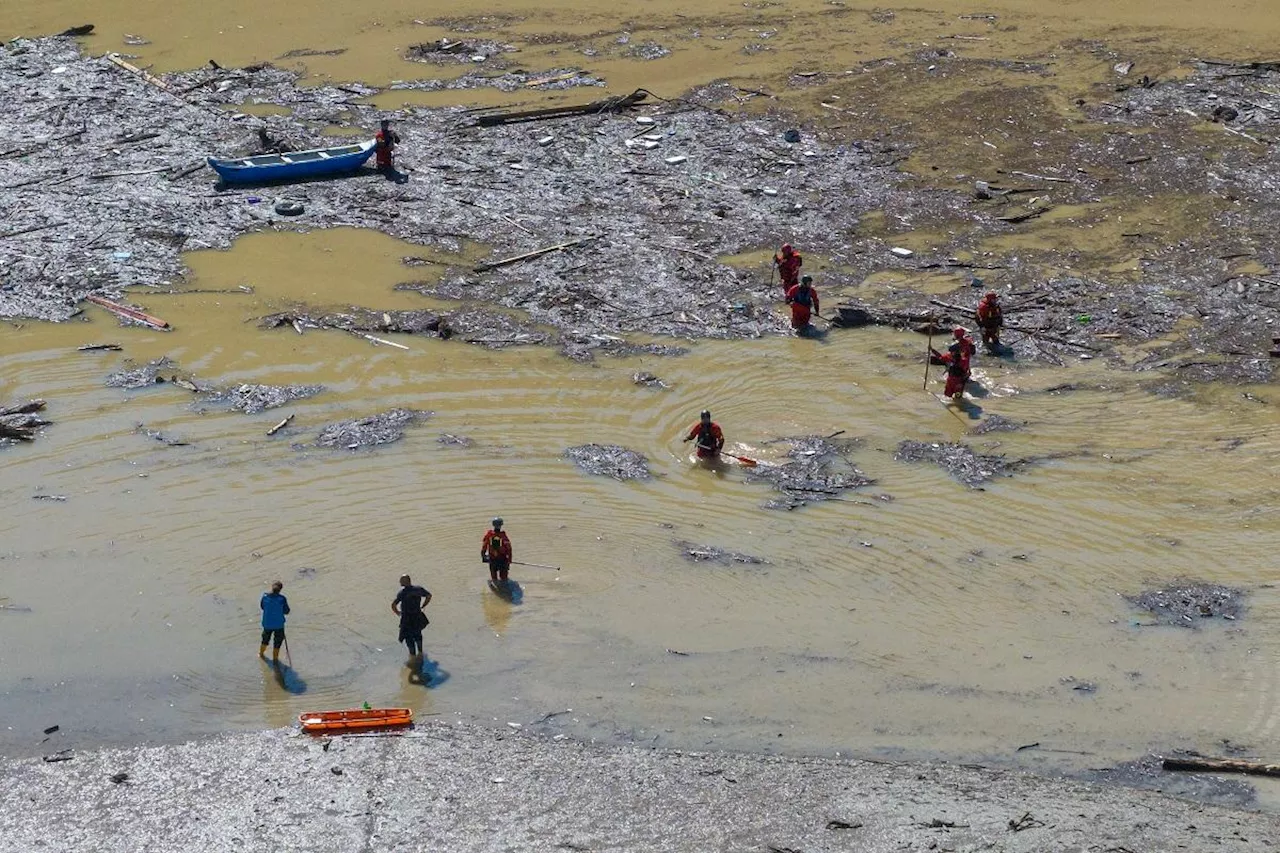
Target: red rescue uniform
709, 439
990, 319
495, 549
385, 146
957, 361
789, 269
802, 302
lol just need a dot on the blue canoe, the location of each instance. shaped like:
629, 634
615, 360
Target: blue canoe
294, 165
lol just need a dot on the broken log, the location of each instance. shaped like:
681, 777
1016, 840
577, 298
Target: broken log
605, 105
534, 254
99, 347
1221, 765
129, 313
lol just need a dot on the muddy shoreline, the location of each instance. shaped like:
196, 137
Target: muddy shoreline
667, 225
469, 788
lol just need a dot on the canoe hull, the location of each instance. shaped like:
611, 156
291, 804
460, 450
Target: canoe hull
355, 720
294, 165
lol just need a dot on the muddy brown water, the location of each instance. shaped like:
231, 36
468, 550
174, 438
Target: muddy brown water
946, 622
942, 622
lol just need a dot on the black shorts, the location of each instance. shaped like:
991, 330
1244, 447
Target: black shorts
502, 566
278, 633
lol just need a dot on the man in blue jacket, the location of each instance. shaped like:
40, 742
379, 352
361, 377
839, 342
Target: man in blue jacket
274, 608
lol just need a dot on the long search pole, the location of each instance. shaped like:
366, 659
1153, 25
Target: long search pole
928, 355
534, 565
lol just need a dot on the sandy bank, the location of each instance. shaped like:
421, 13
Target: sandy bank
461, 788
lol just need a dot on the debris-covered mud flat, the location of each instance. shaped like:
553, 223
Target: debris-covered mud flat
600, 226
359, 793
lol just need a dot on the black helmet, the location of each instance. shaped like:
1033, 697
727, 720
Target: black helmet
706, 414
806, 279
497, 522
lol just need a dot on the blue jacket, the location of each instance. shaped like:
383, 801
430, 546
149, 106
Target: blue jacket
274, 608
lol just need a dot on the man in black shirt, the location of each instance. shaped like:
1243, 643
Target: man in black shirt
408, 606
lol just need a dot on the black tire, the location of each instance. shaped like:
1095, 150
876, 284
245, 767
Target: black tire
285, 207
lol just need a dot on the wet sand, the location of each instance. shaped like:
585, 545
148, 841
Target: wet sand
457, 788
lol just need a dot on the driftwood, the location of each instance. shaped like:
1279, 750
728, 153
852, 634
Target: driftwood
128, 313
24, 408
1221, 765
534, 254
1036, 177
605, 105
99, 347
284, 423
1023, 217
1037, 333
114, 59
375, 340
14, 431
32, 228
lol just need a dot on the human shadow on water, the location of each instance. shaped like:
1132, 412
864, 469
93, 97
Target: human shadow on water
813, 332
425, 672
287, 678
509, 591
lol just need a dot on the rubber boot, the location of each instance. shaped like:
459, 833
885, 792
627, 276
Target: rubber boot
262, 650
275, 655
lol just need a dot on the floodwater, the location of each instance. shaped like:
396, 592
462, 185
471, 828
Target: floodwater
944, 622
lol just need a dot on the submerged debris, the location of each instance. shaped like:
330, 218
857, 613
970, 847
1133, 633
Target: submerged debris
997, 423
648, 380
382, 428
19, 422
1187, 602
487, 328
357, 320
1147, 772
450, 440
959, 460
712, 554
157, 435
609, 460
252, 399
817, 470
449, 51
580, 347
142, 376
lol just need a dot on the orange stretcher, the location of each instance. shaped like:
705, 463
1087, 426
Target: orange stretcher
359, 719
